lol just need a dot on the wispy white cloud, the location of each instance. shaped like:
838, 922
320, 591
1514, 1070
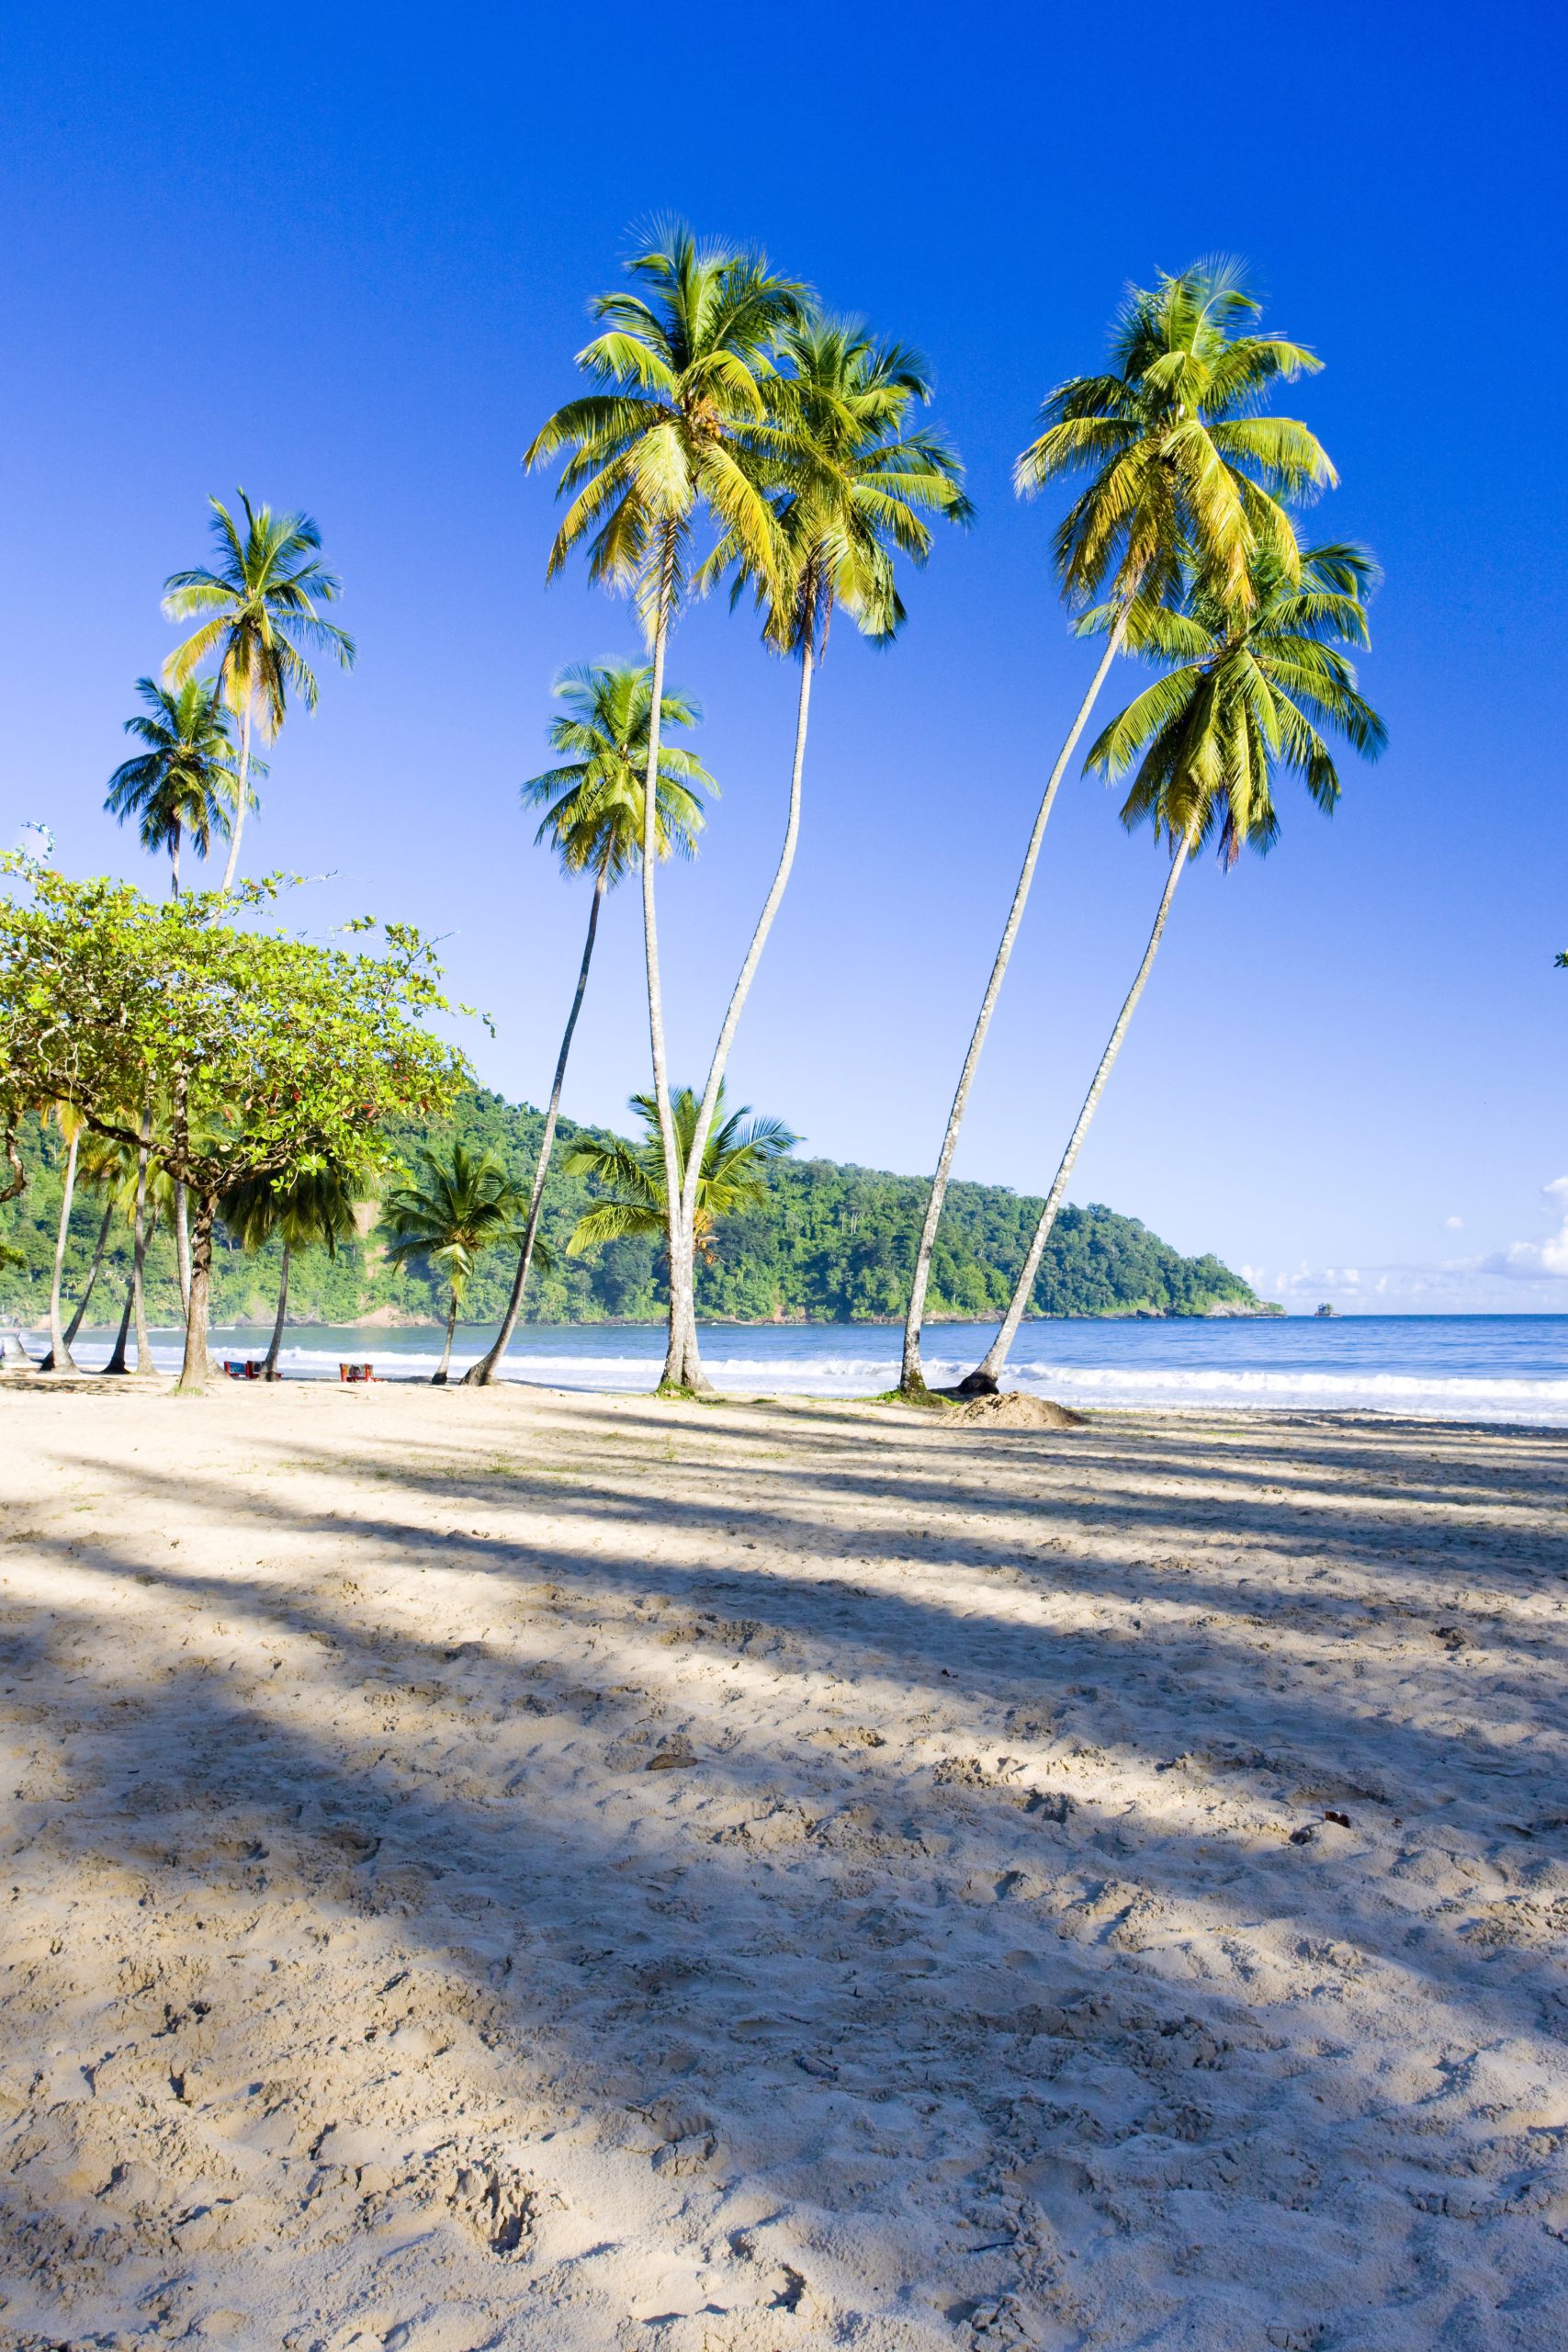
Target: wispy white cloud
1453, 1224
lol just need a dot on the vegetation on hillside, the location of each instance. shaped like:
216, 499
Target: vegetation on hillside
831, 1243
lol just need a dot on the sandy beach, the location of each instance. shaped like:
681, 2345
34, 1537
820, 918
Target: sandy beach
565, 1873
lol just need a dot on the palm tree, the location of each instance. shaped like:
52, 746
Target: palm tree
185, 781
1253, 689
451, 1216
260, 617
1184, 473
317, 1205
684, 358
593, 821
733, 1174
853, 489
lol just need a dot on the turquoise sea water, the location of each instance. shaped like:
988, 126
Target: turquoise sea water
1470, 1367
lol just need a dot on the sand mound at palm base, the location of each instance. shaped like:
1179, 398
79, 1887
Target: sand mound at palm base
1013, 1410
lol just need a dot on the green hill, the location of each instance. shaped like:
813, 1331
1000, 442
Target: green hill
833, 1244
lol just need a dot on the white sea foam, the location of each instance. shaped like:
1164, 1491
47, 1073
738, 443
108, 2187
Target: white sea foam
812, 1369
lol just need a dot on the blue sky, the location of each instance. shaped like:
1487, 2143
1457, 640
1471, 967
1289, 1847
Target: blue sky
347, 266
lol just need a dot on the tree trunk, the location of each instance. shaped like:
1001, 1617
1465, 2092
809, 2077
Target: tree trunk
76, 1320
181, 1247
673, 1365
691, 1374
912, 1380
269, 1365
196, 1365
480, 1374
242, 795
59, 1346
989, 1372
438, 1377
175, 861
117, 1361
141, 1236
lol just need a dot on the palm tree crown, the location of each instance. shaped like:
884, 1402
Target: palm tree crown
594, 803
259, 608
452, 1212
184, 781
1178, 456
1254, 690
851, 488
682, 358
736, 1159
316, 1206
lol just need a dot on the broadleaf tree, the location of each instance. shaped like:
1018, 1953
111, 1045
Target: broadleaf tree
286, 1056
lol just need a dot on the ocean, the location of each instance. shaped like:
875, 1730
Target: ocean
1462, 1367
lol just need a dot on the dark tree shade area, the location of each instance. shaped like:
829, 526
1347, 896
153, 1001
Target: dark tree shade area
833, 1244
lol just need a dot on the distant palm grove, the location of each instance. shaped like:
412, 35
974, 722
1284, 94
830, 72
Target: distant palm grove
254, 1122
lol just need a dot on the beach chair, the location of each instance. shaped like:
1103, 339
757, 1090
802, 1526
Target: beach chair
357, 1372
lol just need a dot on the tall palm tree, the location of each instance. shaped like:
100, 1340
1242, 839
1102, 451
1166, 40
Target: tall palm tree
455, 1211
1183, 473
317, 1207
593, 821
682, 361
260, 616
184, 782
1253, 688
732, 1174
853, 489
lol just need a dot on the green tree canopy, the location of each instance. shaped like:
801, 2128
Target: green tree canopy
285, 1055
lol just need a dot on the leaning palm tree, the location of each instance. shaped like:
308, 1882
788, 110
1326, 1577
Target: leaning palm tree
853, 489
594, 823
682, 361
1184, 473
183, 783
453, 1212
733, 1173
316, 1206
259, 616
1252, 690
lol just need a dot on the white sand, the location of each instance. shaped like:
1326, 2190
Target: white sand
566, 1873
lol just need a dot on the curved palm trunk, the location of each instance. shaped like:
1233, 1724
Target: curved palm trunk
269, 1363
59, 1346
118, 1361
198, 1364
912, 1379
678, 1301
175, 861
100, 1247
438, 1377
241, 796
480, 1374
691, 1374
987, 1372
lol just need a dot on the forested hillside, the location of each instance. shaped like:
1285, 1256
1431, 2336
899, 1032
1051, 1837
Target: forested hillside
833, 1244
